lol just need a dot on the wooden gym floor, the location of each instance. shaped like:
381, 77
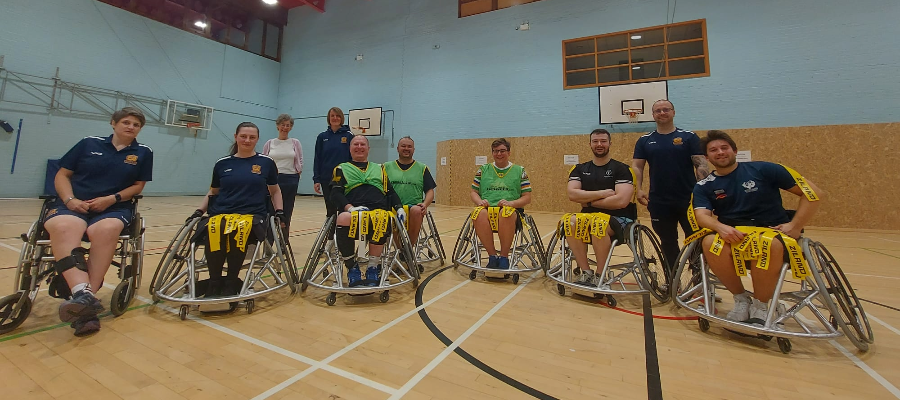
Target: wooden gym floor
503, 341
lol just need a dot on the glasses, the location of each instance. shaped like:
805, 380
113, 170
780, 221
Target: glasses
661, 110
500, 151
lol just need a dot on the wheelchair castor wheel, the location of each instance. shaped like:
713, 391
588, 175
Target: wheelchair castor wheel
183, 311
833, 321
704, 324
120, 298
384, 296
331, 299
561, 289
473, 274
422, 268
250, 304
515, 279
611, 301
784, 345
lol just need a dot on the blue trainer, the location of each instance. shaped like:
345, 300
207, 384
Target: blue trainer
354, 276
82, 304
492, 262
502, 262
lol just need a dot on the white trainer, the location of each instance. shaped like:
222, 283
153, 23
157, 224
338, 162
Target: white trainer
741, 310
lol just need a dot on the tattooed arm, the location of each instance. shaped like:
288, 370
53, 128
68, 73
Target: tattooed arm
702, 169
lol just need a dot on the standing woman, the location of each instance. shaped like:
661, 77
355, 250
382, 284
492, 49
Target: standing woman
332, 149
288, 156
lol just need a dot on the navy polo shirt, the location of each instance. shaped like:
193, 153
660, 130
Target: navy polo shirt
749, 195
243, 184
671, 169
101, 170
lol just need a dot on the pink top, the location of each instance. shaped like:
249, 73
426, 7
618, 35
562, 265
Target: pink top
298, 153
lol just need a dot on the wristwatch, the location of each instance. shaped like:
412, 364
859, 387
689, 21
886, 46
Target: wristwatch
118, 197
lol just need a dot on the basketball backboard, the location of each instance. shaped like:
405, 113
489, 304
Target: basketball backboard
365, 121
615, 101
195, 116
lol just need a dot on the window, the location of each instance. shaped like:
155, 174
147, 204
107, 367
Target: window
472, 7
673, 51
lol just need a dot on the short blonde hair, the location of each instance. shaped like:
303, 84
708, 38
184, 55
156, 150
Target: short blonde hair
337, 111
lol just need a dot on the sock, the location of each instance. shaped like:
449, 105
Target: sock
82, 287
373, 261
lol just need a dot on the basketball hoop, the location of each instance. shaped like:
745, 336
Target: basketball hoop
361, 129
632, 114
193, 127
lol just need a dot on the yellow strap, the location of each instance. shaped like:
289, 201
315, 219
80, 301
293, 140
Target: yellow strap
757, 246
494, 216
795, 257
804, 186
697, 235
717, 245
740, 266
765, 249
406, 220
380, 220
692, 218
242, 224
585, 226
354, 222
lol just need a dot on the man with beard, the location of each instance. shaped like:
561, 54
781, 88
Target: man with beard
673, 154
602, 185
414, 184
747, 194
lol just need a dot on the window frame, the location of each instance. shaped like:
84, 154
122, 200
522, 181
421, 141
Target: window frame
665, 60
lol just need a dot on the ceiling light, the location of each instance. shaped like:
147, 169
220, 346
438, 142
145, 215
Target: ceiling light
638, 67
635, 37
270, 2
200, 24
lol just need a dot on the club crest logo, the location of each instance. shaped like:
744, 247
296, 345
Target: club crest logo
749, 186
343, 140
256, 169
131, 159
677, 141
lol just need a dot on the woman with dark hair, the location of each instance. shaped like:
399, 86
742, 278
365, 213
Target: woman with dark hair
332, 149
242, 183
288, 156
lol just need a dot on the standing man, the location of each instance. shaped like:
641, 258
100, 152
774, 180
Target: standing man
676, 164
413, 183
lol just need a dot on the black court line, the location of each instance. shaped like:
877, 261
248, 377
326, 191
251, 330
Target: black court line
465, 355
879, 304
654, 385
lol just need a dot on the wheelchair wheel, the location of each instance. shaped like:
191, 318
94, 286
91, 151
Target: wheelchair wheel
174, 258
537, 244
284, 250
14, 309
462, 243
687, 276
406, 249
315, 254
653, 265
846, 309
122, 296
437, 238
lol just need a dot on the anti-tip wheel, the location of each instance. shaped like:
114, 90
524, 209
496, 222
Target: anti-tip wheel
385, 296
473, 274
704, 324
561, 289
250, 304
515, 279
784, 345
183, 311
331, 299
611, 301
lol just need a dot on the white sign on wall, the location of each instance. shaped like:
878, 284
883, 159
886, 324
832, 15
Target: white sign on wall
443, 160
570, 159
743, 156
480, 160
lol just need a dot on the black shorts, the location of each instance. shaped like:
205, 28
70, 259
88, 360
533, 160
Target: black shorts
258, 232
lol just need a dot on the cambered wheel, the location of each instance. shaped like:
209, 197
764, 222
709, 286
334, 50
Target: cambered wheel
331, 299
784, 345
13, 312
121, 298
653, 265
704, 324
847, 310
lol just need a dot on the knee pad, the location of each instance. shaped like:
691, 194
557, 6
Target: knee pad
76, 260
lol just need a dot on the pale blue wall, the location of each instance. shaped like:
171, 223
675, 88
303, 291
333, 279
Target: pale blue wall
103, 46
773, 63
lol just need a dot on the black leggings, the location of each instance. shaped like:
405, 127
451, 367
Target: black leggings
665, 220
288, 184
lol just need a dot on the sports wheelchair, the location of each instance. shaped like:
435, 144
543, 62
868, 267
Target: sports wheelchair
324, 268
36, 264
822, 288
527, 248
177, 278
644, 273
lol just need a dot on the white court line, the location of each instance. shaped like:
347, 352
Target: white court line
456, 343
884, 324
865, 367
872, 276
355, 344
881, 238
860, 363
15, 249
287, 353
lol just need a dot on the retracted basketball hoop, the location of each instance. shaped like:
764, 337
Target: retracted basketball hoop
193, 127
632, 114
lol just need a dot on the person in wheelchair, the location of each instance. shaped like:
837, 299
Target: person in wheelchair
242, 184
95, 182
413, 183
504, 185
602, 185
748, 194
357, 186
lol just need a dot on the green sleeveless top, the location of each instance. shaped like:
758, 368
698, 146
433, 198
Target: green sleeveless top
373, 175
408, 184
494, 184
